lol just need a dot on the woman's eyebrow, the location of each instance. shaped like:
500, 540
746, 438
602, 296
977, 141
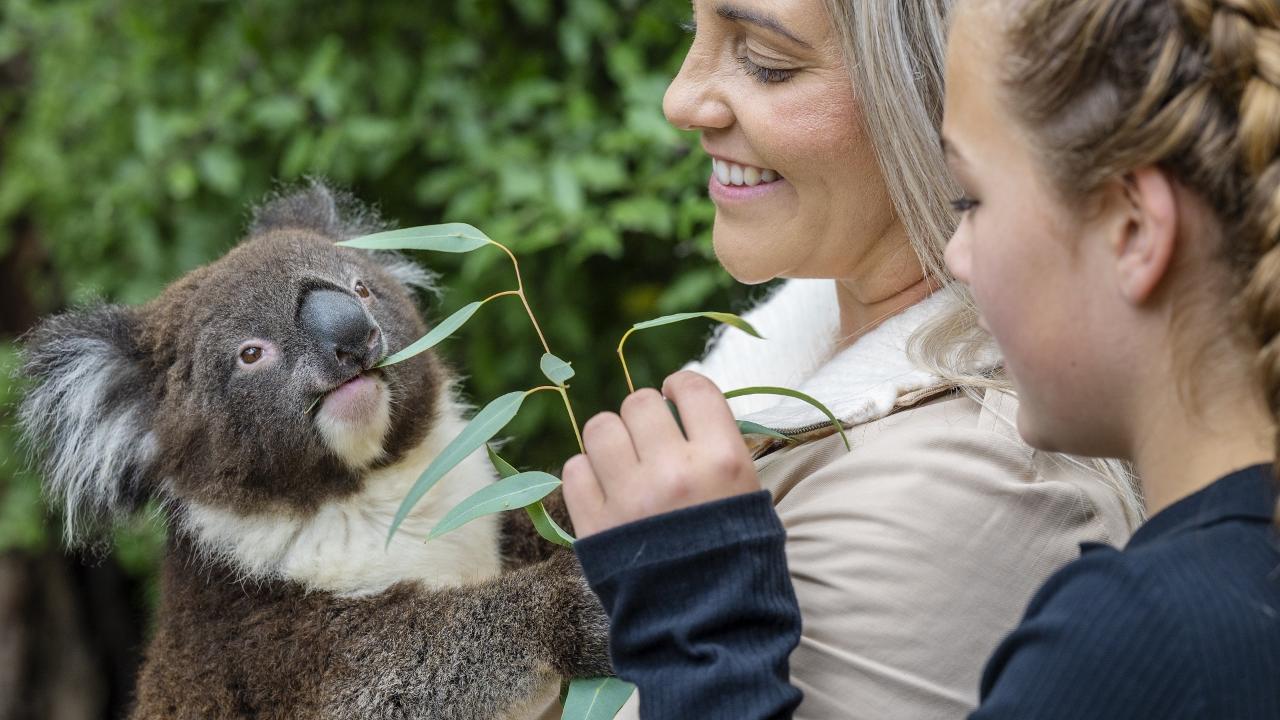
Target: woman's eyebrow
768, 22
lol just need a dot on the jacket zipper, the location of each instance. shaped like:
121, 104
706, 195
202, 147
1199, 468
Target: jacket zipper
809, 428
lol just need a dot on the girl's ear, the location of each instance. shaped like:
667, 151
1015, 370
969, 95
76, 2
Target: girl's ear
1145, 244
89, 414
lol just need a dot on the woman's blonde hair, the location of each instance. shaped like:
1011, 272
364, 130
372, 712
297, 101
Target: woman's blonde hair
895, 52
1190, 86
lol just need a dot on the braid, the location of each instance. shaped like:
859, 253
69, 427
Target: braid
1244, 49
1192, 86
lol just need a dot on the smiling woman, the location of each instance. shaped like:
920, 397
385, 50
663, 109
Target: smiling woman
915, 551
770, 94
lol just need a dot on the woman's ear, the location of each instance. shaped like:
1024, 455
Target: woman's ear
1148, 233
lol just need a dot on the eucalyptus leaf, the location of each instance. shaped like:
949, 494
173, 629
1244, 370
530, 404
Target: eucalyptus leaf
546, 526
596, 698
768, 390
723, 317
557, 371
516, 491
504, 468
746, 427
449, 237
442, 330
542, 521
486, 423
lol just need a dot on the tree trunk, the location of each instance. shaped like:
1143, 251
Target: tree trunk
69, 636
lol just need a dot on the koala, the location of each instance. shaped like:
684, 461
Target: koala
244, 401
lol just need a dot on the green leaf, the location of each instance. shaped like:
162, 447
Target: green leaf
596, 698
486, 423
746, 427
557, 371
516, 491
546, 526
438, 333
450, 237
503, 467
766, 390
542, 521
726, 318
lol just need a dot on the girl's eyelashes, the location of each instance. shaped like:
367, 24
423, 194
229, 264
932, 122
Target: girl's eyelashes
766, 75
689, 26
963, 205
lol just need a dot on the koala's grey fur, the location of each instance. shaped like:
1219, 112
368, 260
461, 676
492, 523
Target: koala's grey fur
278, 598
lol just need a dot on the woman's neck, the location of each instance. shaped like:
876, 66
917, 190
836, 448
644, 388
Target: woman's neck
857, 318
891, 282
1178, 451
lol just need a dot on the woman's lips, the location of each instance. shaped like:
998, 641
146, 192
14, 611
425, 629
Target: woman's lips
721, 192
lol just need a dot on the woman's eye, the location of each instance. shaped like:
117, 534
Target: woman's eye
251, 355
964, 204
766, 75
362, 290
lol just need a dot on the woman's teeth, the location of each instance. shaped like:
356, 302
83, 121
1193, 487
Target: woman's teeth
733, 174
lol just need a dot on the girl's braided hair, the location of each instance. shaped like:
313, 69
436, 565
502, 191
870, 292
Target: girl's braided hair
1191, 86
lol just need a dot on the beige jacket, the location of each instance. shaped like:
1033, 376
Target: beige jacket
917, 550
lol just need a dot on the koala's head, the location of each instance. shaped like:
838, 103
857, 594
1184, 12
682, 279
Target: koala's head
249, 384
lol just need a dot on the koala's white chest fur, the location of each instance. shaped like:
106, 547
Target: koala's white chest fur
341, 548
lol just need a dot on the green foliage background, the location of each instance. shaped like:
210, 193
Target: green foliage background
134, 135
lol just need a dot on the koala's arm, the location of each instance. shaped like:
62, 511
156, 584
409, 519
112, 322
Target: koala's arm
521, 543
462, 653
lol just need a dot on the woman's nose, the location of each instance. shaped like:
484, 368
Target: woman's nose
695, 98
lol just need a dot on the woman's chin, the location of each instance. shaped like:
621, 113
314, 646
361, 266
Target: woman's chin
736, 256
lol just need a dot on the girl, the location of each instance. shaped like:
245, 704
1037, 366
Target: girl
1121, 235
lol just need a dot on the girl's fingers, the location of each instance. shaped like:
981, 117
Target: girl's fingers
652, 427
704, 412
583, 495
609, 448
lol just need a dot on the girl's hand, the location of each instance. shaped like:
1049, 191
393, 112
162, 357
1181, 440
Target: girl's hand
640, 464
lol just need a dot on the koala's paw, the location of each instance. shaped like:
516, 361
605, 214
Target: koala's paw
584, 651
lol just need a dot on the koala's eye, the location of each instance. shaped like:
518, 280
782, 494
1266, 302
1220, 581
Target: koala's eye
251, 355
362, 290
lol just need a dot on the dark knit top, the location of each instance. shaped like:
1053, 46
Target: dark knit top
1183, 623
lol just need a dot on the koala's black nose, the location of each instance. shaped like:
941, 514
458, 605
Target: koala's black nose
345, 332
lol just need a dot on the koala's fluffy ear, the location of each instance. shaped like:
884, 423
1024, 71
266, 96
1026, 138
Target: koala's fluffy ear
89, 414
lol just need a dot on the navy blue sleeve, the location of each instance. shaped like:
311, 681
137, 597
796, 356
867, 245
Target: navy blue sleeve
703, 614
1099, 641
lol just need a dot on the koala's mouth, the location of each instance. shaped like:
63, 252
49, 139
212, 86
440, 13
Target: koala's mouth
358, 378
353, 418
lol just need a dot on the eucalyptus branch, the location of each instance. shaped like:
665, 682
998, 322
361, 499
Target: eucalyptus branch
720, 317
623, 359
524, 299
